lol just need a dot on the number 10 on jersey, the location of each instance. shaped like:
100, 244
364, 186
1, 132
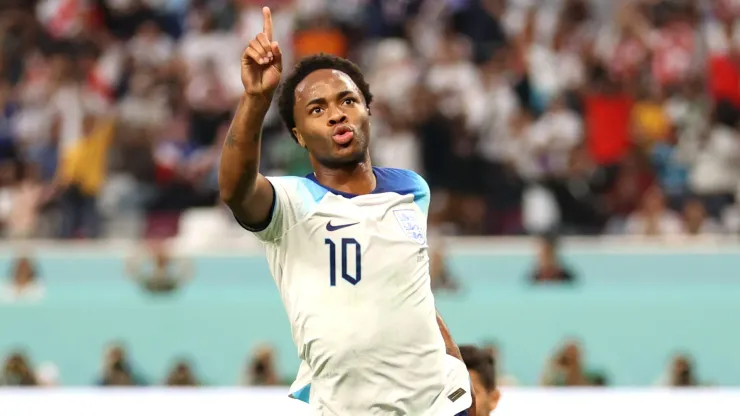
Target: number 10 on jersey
347, 247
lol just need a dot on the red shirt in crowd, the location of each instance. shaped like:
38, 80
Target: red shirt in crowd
607, 119
724, 78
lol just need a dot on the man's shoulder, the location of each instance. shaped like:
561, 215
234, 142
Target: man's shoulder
289, 180
404, 181
401, 179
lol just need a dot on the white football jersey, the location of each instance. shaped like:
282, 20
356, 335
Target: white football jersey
353, 273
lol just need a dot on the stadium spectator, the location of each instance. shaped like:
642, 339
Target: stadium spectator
482, 369
22, 284
117, 369
182, 375
714, 177
260, 370
653, 218
22, 199
566, 368
161, 273
598, 379
650, 122
580, 201
548, 267
47, 374
607, 115
82, 172
672, 162
17, 371
695, 220
503, 378
680, 373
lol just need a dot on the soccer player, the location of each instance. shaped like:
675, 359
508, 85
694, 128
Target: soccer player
346, 245
482, 368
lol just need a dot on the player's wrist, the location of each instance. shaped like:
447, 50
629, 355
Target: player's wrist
253, 108
257, 99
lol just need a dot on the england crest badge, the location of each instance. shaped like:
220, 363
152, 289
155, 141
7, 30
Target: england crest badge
407, 220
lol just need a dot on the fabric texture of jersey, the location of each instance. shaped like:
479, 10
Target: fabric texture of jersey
353, 274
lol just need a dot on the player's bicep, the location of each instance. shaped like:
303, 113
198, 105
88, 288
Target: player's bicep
255, 211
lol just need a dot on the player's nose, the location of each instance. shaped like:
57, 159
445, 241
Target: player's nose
337, 116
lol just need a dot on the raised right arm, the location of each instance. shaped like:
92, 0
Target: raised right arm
246, 192
249, 195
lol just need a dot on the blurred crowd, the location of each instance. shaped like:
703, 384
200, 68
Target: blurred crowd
586, 116
566, 367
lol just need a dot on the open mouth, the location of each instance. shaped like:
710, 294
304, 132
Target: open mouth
342, 135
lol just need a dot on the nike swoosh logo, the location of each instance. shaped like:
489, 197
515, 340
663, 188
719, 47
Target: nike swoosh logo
330, 227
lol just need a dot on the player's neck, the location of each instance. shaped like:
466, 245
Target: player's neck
357, 179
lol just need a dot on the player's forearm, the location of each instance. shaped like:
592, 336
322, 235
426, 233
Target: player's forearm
450, 344
240, 154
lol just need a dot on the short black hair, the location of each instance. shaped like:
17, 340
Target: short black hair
307, 65
482, 363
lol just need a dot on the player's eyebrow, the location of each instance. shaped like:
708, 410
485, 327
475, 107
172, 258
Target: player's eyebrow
344, 94
319, 100
322, 100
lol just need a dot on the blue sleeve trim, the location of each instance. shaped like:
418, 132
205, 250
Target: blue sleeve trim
315, 190
422, 195
302, 394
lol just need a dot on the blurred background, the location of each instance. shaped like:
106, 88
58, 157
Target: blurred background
583, 155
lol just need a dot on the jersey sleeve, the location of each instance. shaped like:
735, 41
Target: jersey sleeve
294, 200
422, 194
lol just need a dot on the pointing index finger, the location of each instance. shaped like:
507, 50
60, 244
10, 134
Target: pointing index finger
267, 23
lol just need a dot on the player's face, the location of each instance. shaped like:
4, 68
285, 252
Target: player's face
485, 401
332, 119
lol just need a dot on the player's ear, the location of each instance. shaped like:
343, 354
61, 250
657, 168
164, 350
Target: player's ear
495, 396
369, 111
298, 137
